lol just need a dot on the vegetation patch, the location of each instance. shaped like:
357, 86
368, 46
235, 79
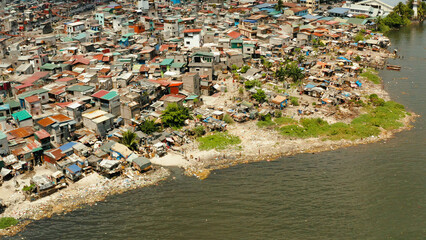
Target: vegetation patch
284, 121
384, 116
218, 141
371, 75
6, 222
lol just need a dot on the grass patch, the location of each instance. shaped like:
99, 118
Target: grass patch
382, 117
218, 141
371, 75
284, 120
294, 101
265, 123
6, 222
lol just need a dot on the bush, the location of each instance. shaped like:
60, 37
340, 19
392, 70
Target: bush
241, 90
244, 69
260, 96
199, 131
253, 83
294, 101
371, 75
28, 188
175, 115
148, 127
278, 113
228, 119
218, 141
6, 222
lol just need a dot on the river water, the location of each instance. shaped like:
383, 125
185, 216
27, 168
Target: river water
375, 191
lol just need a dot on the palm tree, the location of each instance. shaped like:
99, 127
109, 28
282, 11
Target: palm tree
129, 140
280, 74
294, 72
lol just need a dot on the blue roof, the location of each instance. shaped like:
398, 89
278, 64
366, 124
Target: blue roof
339, 10
309, 85
67, 146
345, 59
74, 168
250, 21
391, 3
309, 16
265, 5
4, 107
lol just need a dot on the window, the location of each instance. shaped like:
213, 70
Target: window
42, 97
197, 69
188, 42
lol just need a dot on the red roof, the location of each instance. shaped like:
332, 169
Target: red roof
42, 134
192, 31
32, 99
55, 153
65, 79
181, 96
234, 34
46, 122
61, 118
175, 84
63, 104
21, 132
100, 94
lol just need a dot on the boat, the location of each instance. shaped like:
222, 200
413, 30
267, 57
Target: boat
393, 67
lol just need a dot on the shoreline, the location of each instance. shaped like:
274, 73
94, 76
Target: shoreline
260, 144
76, 197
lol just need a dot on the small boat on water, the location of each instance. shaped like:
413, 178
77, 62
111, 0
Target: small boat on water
393, 67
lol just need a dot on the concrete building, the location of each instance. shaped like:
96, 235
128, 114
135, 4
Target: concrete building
192, 38
99, 121
191, 82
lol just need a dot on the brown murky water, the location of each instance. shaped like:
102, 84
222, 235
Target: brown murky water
375, 191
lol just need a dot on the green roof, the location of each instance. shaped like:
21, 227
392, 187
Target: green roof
30, 93
12, 104
80, 36
204, 54
2, 135
50, 66
236, 41
167, 62
248, 45
192, 97
21, 115
109, 95
177, 65
176, 40
79, 88
123, 39
128, 35
356, 21
274, 13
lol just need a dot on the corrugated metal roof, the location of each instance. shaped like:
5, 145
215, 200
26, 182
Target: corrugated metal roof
110, 95
21, 115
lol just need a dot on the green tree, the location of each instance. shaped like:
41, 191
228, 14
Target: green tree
244, 69
280, 74
260, 96
279, 5
294, 72
148, 126
129, 140
175, 115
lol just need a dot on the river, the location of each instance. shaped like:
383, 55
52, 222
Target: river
375, 191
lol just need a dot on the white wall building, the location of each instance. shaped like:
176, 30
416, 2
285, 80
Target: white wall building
192, 38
